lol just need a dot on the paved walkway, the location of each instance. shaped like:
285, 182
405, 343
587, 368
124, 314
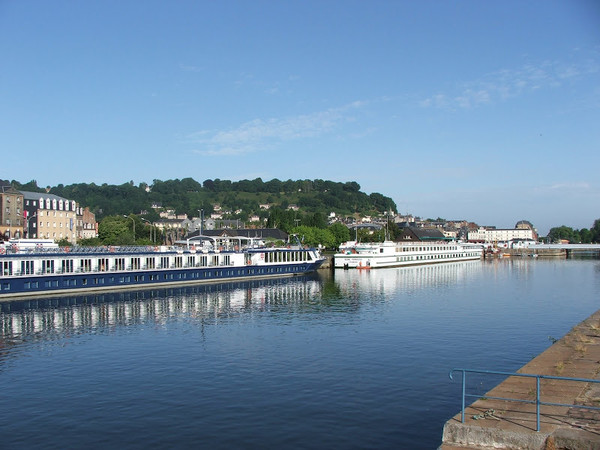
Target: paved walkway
503, 424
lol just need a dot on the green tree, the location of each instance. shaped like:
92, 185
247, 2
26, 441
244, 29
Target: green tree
64, 242
314, 237
90, 242
559, 233
595, 231
585, 235
340, 233
284, 220
114, 230
318, 220
381, 203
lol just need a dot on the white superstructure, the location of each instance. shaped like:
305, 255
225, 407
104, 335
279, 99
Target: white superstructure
356, 255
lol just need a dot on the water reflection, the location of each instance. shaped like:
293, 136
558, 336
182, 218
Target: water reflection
341, 290
386, 282
77, 314
343, 359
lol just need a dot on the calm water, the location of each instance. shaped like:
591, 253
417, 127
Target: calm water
348, 360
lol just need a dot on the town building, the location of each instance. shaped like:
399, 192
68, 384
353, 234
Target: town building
495, 235
419, 234
49, 216
87, 227
11, 212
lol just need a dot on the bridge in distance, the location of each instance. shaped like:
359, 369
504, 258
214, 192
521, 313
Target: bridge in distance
566, 249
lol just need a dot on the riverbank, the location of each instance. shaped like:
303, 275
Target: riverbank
530, 252
501, 424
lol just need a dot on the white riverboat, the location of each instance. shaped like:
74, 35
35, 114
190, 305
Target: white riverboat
373, 255
40, 269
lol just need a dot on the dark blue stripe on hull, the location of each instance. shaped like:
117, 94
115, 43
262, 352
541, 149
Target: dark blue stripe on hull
38, 285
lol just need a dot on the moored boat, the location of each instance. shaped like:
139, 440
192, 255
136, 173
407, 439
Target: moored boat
356, 255
44, 270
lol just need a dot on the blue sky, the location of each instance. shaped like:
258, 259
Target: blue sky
477, 110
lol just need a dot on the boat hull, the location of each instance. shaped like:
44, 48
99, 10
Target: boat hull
390, 254
99, 272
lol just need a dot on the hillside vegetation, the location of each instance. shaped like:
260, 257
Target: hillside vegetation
240, 199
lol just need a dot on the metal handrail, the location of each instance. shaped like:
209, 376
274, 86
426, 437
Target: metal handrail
538, 402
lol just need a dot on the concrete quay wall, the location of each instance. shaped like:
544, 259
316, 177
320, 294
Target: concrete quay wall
493, 423
540, 252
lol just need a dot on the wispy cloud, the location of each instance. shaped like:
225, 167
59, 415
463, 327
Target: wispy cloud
190, 68
260, 134
507, 83
572, 186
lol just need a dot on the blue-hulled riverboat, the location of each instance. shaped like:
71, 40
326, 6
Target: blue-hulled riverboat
38, 270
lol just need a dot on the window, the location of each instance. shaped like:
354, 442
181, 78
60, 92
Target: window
85, 265
67, 265
26, 267
103, 264
48, 266
7, 268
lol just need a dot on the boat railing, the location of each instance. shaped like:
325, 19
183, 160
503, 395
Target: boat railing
538, 393
12, 250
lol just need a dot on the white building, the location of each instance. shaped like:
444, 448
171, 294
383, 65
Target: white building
500, 235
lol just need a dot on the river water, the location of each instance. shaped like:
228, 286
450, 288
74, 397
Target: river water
340, 360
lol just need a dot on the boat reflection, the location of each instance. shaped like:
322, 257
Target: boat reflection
406, 279
336, 291
76, 314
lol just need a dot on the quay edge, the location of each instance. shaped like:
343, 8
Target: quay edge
576, 355
541, 252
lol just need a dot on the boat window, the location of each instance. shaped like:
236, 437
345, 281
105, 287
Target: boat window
26, 267
7, 268
48, 266
103, 264
85, 265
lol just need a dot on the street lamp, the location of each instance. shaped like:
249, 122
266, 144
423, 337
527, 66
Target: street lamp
129, 217
27, 218
153, 239
201, 213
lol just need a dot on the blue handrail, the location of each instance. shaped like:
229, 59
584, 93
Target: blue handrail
538, 402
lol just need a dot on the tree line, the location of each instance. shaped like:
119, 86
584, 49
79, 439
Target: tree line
242, 198
583, 236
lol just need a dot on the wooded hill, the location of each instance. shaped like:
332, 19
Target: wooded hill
188, 196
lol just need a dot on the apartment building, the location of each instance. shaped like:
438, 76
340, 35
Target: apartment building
49, 216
